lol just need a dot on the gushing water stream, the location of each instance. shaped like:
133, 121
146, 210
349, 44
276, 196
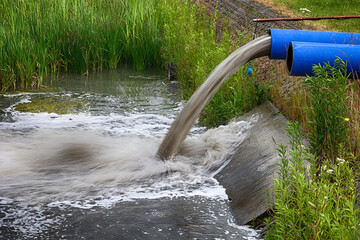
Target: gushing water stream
191, 111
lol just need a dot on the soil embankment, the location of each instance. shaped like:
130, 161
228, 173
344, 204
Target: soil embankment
242, 13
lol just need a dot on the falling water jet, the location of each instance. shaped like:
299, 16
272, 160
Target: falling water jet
181, 126
276, 46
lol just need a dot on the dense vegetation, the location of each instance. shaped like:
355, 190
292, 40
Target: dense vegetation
39, 37
320, 201
315, 192
197, 44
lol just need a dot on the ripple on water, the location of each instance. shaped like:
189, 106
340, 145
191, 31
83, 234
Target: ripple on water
95, 172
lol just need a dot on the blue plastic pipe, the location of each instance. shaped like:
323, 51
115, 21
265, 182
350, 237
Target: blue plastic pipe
302, 56
281, 38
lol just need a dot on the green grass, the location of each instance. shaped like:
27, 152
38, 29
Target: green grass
197, 48
313, 203
314, 196
39, 37
329, 8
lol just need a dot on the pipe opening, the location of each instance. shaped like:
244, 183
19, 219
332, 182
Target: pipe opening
289, 58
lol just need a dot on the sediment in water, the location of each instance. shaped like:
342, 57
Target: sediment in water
191, 111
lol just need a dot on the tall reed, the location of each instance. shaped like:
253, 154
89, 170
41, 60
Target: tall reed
38, 37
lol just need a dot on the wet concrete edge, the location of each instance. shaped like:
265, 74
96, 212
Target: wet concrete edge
253, 166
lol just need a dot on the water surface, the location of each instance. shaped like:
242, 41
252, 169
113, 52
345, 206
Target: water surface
94, 174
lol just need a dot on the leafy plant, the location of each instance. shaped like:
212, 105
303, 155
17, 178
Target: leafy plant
307, 206
328, 123
198, 44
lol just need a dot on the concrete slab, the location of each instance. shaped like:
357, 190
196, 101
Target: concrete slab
254, 165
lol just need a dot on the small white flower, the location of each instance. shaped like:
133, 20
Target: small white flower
329, 171
326, 197
304, 10
340, 160
324, 167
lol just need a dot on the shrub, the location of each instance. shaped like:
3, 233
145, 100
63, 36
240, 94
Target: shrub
328, 123
307, 205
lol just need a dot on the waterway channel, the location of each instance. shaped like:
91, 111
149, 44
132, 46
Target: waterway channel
92, 173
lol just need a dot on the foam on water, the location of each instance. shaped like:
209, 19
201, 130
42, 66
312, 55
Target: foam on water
97, 160
60, 158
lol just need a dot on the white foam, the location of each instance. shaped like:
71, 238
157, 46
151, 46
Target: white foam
55, 164
89, 160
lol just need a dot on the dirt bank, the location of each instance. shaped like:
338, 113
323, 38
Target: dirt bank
242, 13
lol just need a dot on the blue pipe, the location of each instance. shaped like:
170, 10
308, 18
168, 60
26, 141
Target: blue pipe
280, 39
302, 56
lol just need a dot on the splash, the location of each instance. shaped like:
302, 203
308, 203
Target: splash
58, 172
184, 121
57, 164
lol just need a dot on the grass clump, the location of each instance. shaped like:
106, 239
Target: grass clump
38, 37
328, 121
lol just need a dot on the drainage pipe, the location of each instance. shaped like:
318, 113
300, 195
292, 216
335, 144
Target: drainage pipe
302, 56
281, 38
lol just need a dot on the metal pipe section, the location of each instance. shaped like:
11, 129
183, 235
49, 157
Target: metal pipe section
281, 38
302, 56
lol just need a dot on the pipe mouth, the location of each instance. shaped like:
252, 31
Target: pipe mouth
271, 48
289, 58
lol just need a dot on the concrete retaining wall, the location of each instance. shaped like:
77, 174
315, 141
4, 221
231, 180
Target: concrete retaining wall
252, 168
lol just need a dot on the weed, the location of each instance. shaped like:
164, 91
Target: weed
311, 206
328, 123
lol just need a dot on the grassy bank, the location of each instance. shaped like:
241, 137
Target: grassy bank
320, 201
315, 193
197, 42
328, 8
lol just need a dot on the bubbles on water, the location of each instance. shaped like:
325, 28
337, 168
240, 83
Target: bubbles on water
54, 165
23, 221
